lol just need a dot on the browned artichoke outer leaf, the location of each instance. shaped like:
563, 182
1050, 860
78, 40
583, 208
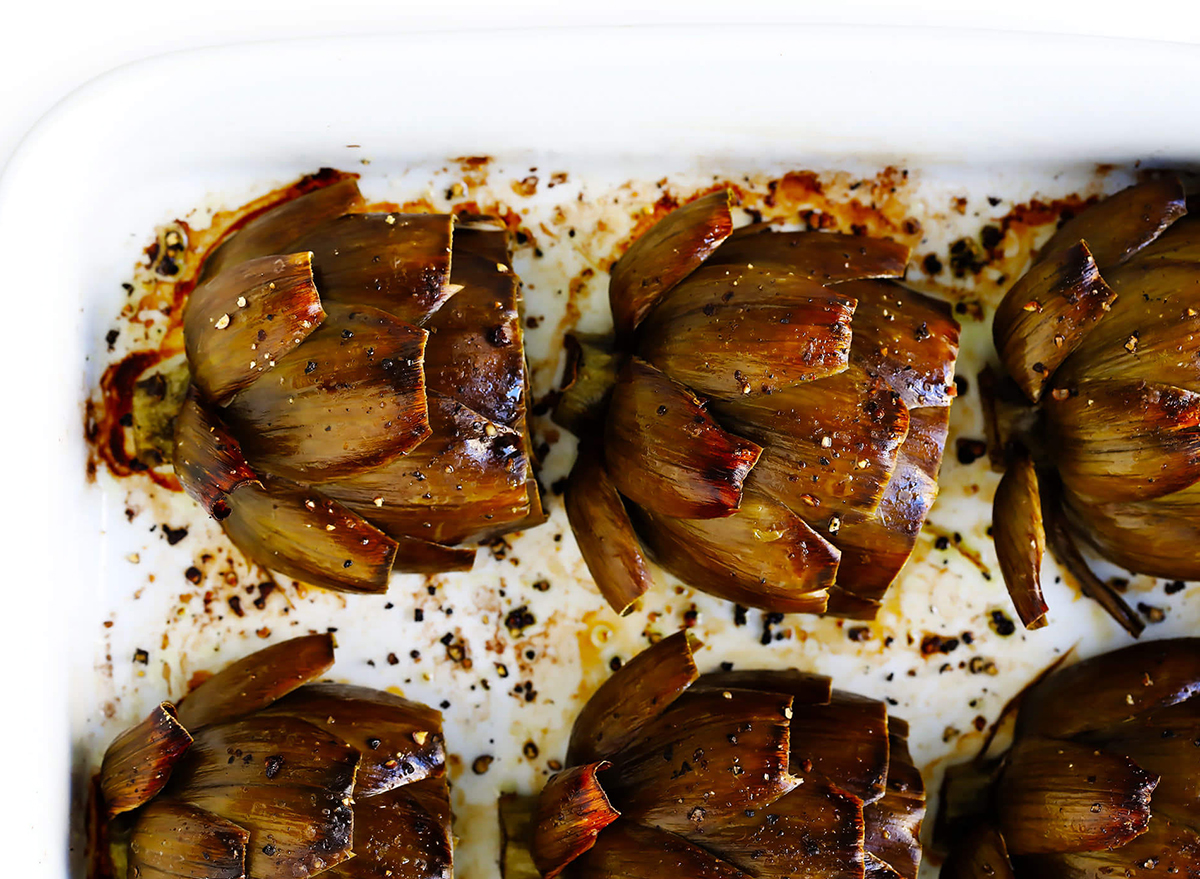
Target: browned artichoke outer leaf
572, 810
302, 534
906, 338
516, 836
1119, 226
1120, 685
1057, 796
728, 331
875, 547
635, 694
482, 235
893, 823
667, 253
848, 606
605, 533
588, 378
1162, 742
398, 263
705, 760
467, 477
396, 838
764, 555
415, 556
274, 229
630, 851
1118, 441
826, 257
137, 765
844, 741
829, 446
208, 458
805, 688
257, 680
242, 321
1047, 314
1020, 538
666, 453
813, 832
285, 780
171, 839
980, 853
477, 353
1167, 848
433, 793
400, 741
353, 396
1150, 332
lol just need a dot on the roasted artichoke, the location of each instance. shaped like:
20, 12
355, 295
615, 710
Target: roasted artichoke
358, 397
1100, 336
725, 775
1103, 778
261, 773
768, 421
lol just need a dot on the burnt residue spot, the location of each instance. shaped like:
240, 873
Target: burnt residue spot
518, 619
739, 615
141, 656
1152, 613
770, 620
932, 644
274, 763
969, 450
1174, 586
1001, 623
111, 338
932, 265
173, 535
967, 258
482, 763
193, 575
991, 237
858, 633
235, 605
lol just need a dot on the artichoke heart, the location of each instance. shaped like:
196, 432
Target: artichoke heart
1102, 779
358, 391
1102, 336
767, 422
263, 773
723, 775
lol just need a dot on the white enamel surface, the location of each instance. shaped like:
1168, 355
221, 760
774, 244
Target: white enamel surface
152, 142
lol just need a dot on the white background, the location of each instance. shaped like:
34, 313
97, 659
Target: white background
47, 49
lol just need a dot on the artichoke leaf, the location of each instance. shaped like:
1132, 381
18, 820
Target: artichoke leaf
629, 851
396, 838
1058, 796
848, 606
845, 742
240, 323
667, 454
1123, 223
352, 397
632, 697
257, 680
813, 832
1047, 314
302, 534
275, 228
516, 836
605, 533
1020, 538
764, 555
588, 378
728, 331
478, 357
177, 841
824, 257
400, 741
397, 263
208, 458
1167, 848
304, 773
466, 478
1120, 687
158, 397
571, 812
705, 760
804, 687
667, 253
138, 764
980, 854
907, 339
414, 556
893, 823
829, 446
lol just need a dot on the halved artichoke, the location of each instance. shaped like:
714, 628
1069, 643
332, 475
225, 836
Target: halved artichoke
262, 773
1101, 338
768, 421
1103, 778
728, 774
358, 391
